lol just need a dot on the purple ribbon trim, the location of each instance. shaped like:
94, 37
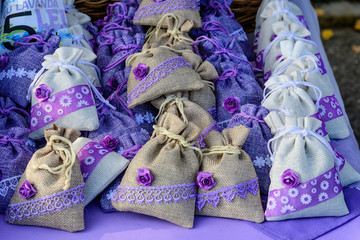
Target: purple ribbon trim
59, 105
321, 64
315, 191
321, 130
259, 62
329, 108
161, 71
165, 7
205, 132
256, 41
227, 194
302, 20
90, 155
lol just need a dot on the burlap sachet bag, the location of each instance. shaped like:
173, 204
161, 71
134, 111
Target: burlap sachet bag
304, 177
99, 166
160, 180
50, 191
63, 93
330, 110
157, 72
15, 155
150, 13
228, 185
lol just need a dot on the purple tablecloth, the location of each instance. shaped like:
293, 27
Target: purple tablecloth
122, 225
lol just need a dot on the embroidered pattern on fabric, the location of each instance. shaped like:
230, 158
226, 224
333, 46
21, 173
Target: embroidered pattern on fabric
46, 205
227, 194
59, 105
90, 155
329, 108
165, 7
315, 191
146, 118
205, 132
158, 195
19, 73
261, 162
161, 71
8, 183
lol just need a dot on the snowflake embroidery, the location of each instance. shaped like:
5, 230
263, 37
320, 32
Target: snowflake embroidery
82, 103
259, 162
10, 73
48, 108
48, 118
268, 161
20, 72
34, 122
110, 194
323, 196
305, 199
324, 185
31, 74
284, 200
271, 204
85, 90
65, 101
286, 208
139, 118
89, 160
293, 192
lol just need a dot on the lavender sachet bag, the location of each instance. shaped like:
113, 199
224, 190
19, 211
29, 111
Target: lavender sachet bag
14, 158
11, 115
18, 68
252, 117
236, 86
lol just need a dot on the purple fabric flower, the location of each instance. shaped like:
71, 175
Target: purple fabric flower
27, 190
110, 142
290, 179
140, 71
205, 181
231, 104
42, 92
4, 60
112, 84
144, 177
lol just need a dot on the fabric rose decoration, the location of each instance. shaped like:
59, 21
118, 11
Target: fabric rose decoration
144, 177
140, 71
231, 104
205, 181
27, 190
42, 92
4, 60
110, 142
112, 84
290, 179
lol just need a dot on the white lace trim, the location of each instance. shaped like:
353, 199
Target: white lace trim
8, 183
20, 72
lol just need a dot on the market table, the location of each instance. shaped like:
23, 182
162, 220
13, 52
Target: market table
123, 225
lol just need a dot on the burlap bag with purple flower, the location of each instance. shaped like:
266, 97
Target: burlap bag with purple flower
160, 180
150, 13
228, 185
50, 191
304, 177
62, 92
158, 72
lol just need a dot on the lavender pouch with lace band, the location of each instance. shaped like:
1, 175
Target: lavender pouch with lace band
11, 115
151, 11
13, 160
160, 180
227, 182
18, 68
252, 117
50, 191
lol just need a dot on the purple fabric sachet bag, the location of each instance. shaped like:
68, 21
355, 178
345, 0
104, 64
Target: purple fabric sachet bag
14, 158
20, 66
252, 116
234, 87
11, 115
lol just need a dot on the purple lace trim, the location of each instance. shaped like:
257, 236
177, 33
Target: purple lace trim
329, 108
158, 195
90, 155
60, 104
161, 71
205, 132
165, 7
315, 191
8, 183
227, 194
46, 205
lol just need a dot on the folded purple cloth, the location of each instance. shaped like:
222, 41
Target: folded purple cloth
14, 158
11, 115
